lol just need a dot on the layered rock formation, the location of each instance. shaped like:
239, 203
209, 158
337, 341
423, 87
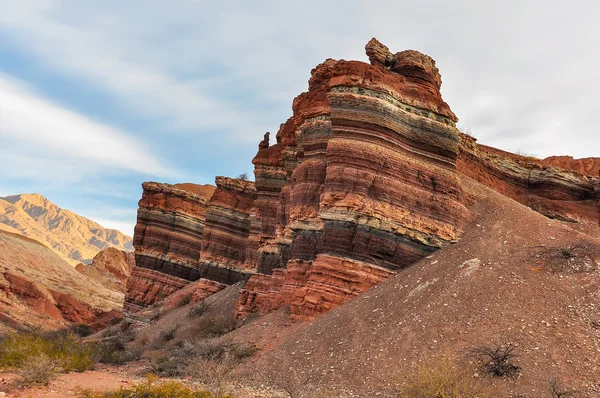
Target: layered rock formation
187, 233
223, 252
309, 288
558, 187
167, 240
363, 180
375, 188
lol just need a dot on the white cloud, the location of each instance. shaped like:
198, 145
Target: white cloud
232, 67
124, 226
115, 51
45, 141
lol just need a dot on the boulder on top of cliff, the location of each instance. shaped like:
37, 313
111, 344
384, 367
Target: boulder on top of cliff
417, 67
265, 142
378, 53
411, 64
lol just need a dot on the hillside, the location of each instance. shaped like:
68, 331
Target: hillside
514, 277
376, 236
39, 289
74, 238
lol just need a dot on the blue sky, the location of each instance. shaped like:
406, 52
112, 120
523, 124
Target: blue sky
99, 96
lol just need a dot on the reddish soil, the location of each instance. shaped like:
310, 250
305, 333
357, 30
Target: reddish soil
67, 385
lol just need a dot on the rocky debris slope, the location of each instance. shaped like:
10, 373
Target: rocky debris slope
40, 290
508, 280
365, 179
111, 268
74, 238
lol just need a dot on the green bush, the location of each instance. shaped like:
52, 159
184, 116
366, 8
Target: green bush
152, 389
68, 351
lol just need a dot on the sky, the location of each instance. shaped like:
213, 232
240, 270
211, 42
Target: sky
97, 96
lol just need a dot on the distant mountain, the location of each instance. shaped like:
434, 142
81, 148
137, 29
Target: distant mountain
74, 238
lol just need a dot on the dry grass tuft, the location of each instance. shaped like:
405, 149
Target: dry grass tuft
68, 351
38, 370
440, 377
153, 389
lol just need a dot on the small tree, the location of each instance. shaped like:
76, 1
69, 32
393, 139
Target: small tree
497, 360
243, 176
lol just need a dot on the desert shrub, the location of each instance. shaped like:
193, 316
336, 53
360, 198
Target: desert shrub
440, 377
113, 350
253, 316
216, 326
81, 329
152, 389
528, 155
466, 131
557, 390
498, 360
165, 336
167, 366
575, 258
198, 310
202, 359
69, 352
38, 370
156, 316
214, 374
185, 300
126, 326
216, 349
169, 334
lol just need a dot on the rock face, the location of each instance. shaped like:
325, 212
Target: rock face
363, 180
167, 240
557, 187
187, 233
74, 238
111, 268
373, 187
223, 251
310, 288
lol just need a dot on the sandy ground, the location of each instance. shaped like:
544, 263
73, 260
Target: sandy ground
67, 385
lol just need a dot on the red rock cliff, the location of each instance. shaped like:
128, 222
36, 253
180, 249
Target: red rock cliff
363, 180
186, 233
558, 187
374, 190
167, 241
